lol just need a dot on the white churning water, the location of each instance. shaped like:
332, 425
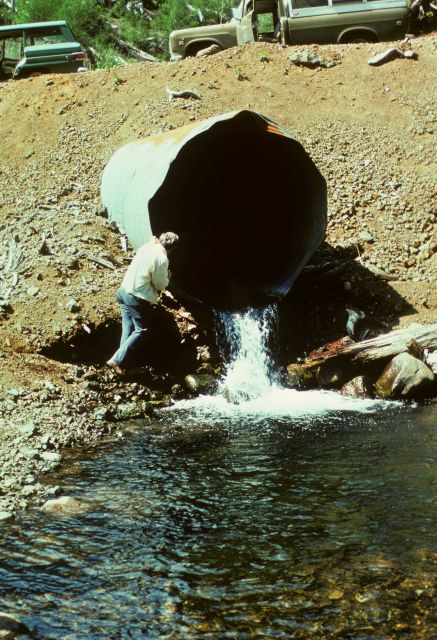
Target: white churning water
245, 339
250, 385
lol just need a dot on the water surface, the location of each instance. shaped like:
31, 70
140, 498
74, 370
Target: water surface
301, 515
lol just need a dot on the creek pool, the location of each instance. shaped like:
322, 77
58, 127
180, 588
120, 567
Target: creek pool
310, 521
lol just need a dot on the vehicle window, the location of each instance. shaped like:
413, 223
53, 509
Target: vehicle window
12, 48
44, 36
265, 22
308, 4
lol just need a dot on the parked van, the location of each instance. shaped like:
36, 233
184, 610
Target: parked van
298, 22
40, 47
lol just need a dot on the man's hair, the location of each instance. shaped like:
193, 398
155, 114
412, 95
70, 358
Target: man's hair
169, 240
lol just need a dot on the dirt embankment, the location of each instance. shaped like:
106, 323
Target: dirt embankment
370, 130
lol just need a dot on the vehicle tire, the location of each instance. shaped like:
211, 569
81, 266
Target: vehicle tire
358, 37
196, 47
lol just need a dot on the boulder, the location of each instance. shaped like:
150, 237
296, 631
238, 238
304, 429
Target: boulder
302, 376
431, 361
66, 505
11, 627
201, 383
6, 515
358, 387
208, 51
131, 410
404, 377
332, 375
311, 59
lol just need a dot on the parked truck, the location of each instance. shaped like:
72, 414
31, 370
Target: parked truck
39, 47
298, 22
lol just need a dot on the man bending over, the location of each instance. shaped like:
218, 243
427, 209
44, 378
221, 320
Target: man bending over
146, 276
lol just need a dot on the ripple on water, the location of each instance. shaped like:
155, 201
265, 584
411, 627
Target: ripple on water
304, 515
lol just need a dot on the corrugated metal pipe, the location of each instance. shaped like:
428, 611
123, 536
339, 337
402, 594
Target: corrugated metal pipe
245, 198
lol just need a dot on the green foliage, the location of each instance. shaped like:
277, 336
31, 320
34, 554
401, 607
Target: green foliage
36, 10
5, 14
132, 26
239, 74
85, 17
93, 21
91, 24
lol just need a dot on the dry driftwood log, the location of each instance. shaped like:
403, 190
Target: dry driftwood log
132, 51
385, 346
186, 93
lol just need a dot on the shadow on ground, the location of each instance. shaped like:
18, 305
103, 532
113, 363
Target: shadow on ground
312, 314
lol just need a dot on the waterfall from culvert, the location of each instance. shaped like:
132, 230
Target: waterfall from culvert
245, 340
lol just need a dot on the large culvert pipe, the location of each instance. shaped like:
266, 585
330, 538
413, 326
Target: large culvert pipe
245, 198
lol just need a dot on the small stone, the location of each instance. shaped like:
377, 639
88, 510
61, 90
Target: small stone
44, 248
51, 456
335, 594
28, 429
73, 306
365, 236
28, 490
32, 291
102, 413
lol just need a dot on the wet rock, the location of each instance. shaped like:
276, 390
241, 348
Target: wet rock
51, 456
102, 413
331, 376
177, 391
302, 376
11, 627
431, 361
404, 377
4, 516
129, 410
358, 387
66, 505
201, 383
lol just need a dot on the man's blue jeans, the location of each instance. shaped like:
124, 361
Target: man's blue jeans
136, 316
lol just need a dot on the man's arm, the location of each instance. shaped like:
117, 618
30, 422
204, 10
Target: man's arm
160, 275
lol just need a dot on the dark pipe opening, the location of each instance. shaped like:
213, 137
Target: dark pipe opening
249, 206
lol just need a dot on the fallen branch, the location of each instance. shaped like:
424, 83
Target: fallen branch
132, 51
101, 261
187, 93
